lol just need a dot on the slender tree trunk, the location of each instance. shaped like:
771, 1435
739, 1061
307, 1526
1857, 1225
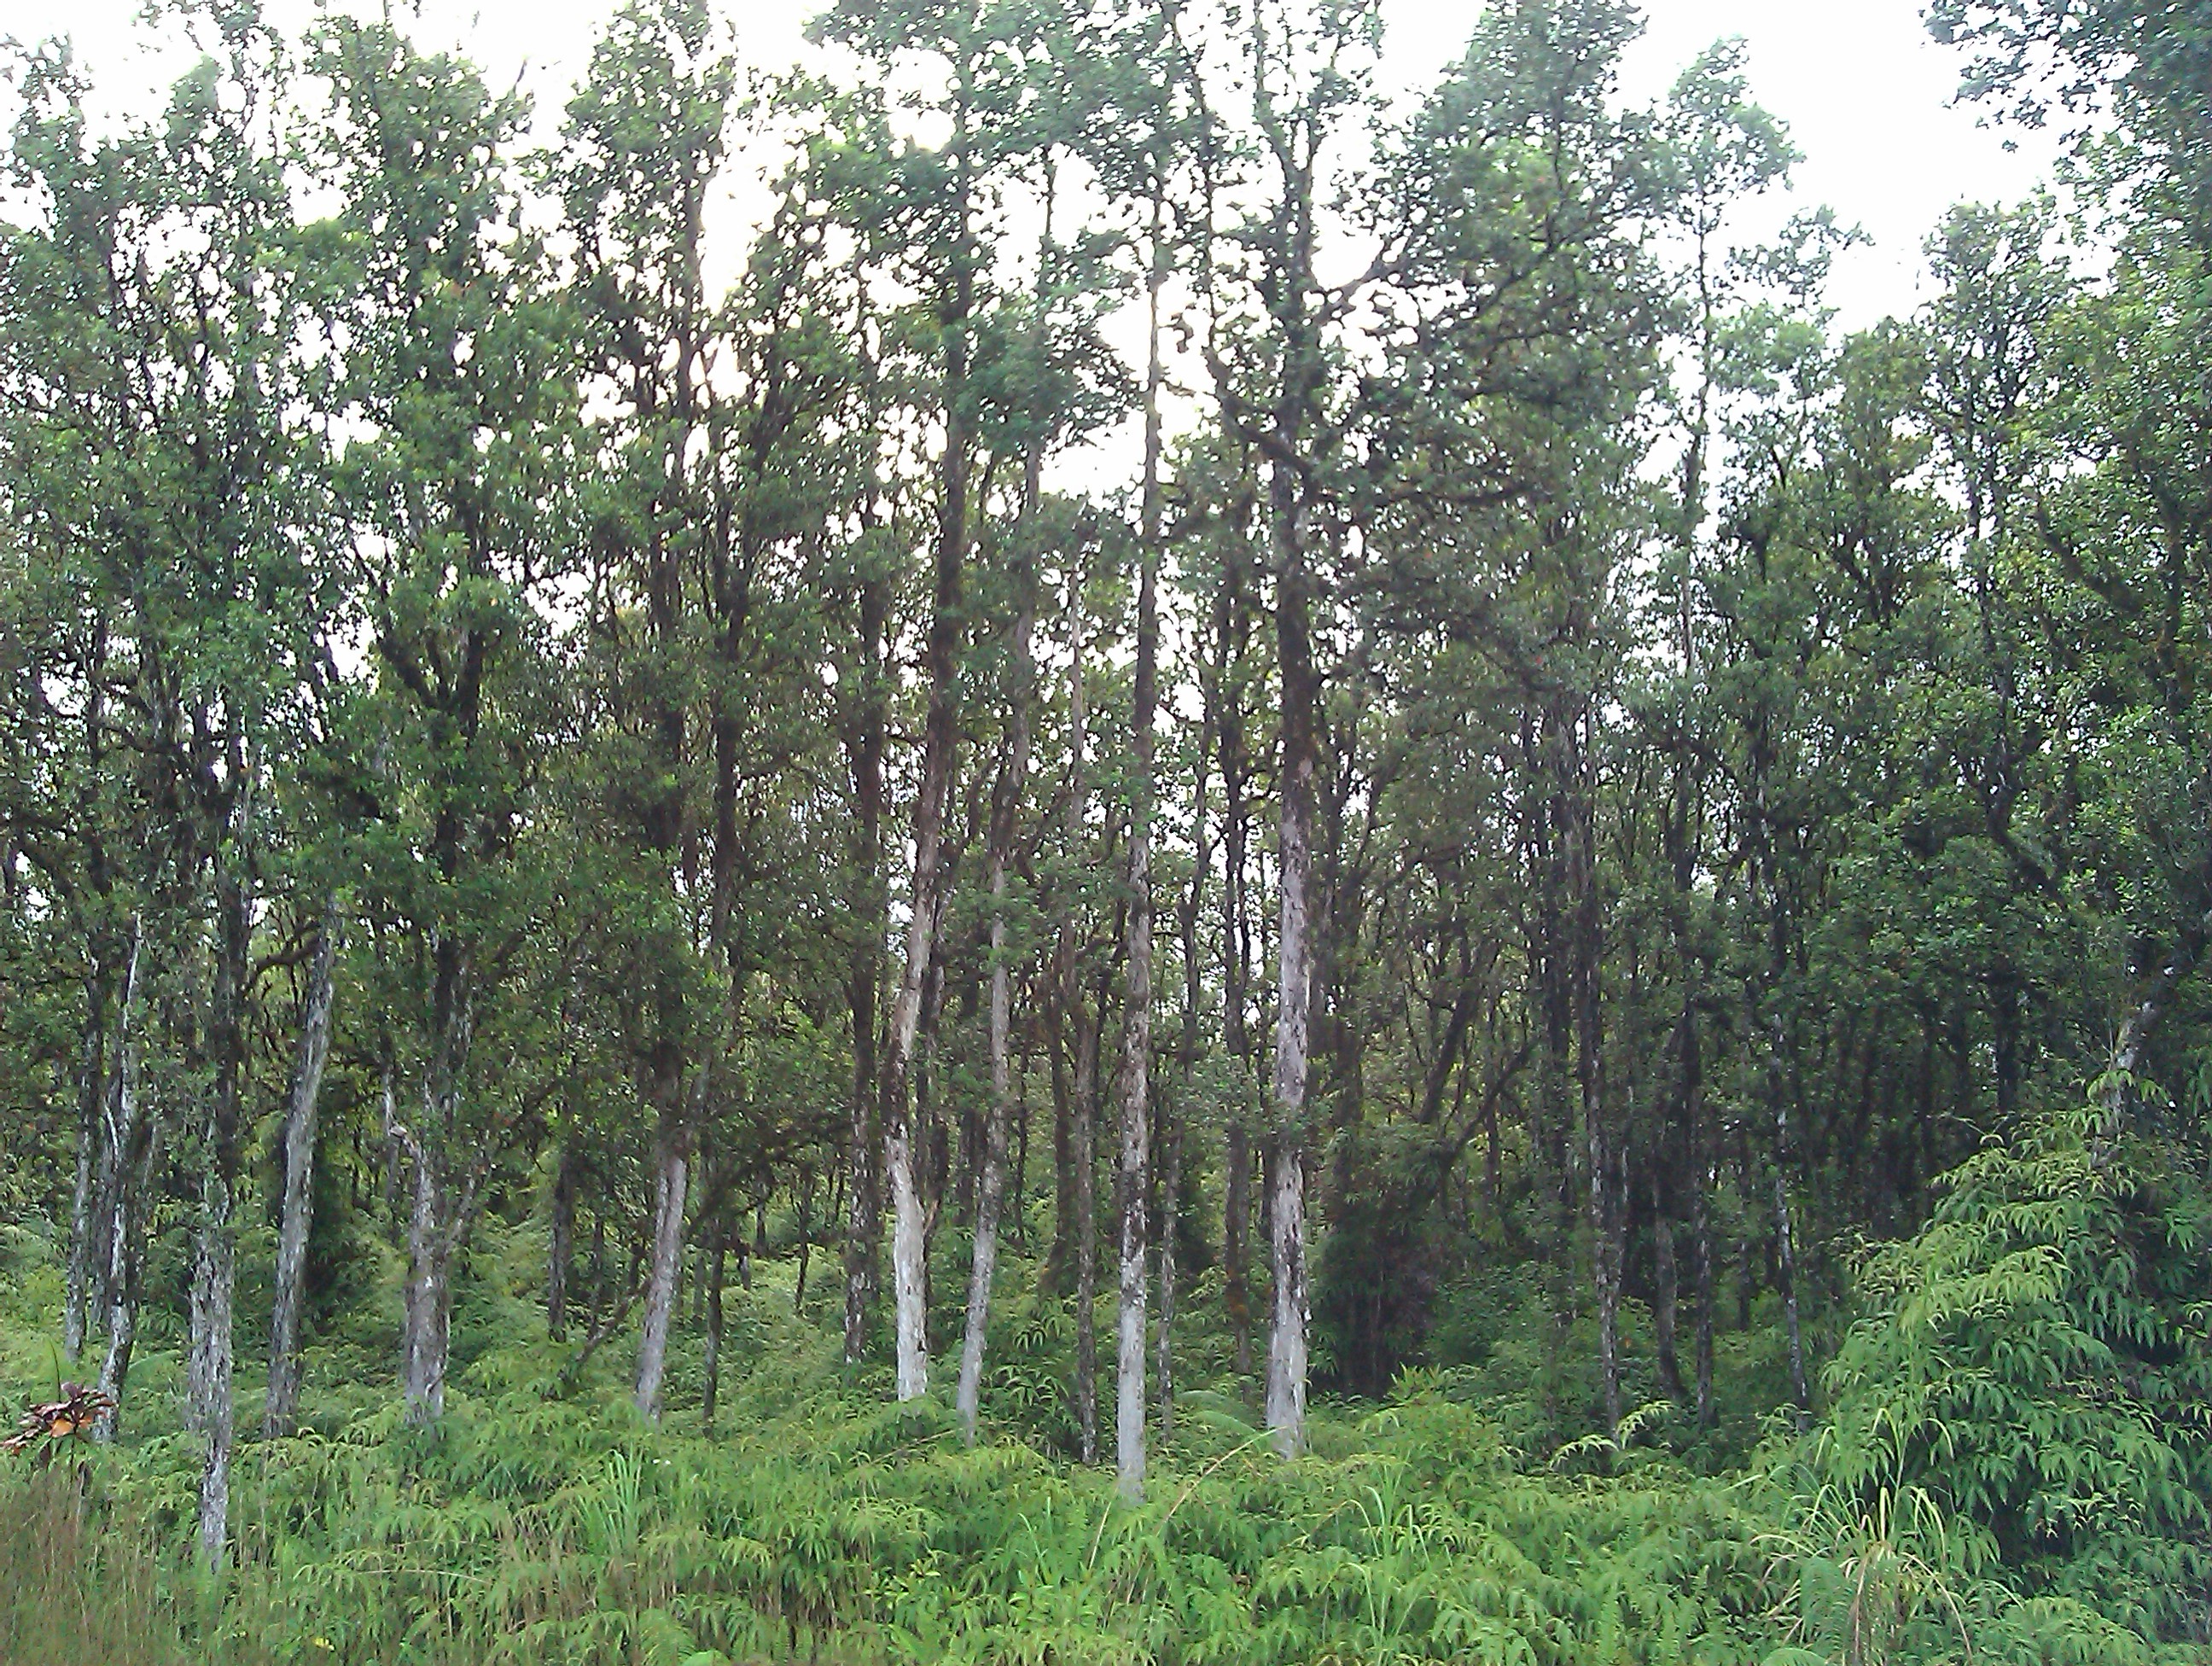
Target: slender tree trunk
1236, 962
1286, 1212
1702, 1254
87, 1237
806, 1241
908, 1246
1170, 1201
865, 744
1579, 837
671, 1192
130, 1140
214, 1269
1057, 1276
430, 1225
714, 1343
998, 1117
1236, 1248
1134, 1076
283, 1405
560, 1251
1087, 1229
429, 1293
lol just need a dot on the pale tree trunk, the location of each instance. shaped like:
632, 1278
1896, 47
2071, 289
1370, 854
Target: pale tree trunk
86, 1238
1134, 1076
129, 1149
1286, 1210
283, 1405
991, 1190
671, 1191
429, 1294
430, 1223
2133, 1042
214, 1269
909, 1245
1005, 808
1085, 1165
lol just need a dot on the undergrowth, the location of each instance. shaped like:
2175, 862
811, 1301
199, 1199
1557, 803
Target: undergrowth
2013, 1466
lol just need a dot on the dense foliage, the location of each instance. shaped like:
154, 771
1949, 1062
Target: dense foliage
651, 866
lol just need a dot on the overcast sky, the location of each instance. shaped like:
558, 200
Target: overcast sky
1866, 94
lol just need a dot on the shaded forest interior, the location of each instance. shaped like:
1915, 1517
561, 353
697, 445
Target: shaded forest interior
1209, 870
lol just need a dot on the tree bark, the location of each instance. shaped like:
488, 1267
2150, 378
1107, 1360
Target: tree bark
1286, 1215
1085, 1165
1134, 1075
86, 1238
865, 745
561, 1249
1171, 1201
909, 1297
282, 1408
671, 1192
130, 1141
430, 1221
714, 1342
215, 1267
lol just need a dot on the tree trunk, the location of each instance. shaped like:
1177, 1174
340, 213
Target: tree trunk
864, 745
1579, 837
1785, 1247
1236, 962
1171, 1201
714, 1343
1085, 1165
908, 1297
998, 1117
214, 1265
429, 1316
671, 1191
560, 1250
1236, 1249
88, 1239
2133, 1042
282, 1405
1134, 1076
805, 1241
1666, 1295
430, 1225
1286, 1213
130, 1144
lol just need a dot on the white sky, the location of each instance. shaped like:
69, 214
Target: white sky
1866, 94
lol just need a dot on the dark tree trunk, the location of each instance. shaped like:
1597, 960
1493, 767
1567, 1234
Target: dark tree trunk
714, 1341
865, 744
560, 1250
